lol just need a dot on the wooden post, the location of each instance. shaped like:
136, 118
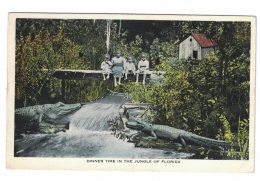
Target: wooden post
63, 92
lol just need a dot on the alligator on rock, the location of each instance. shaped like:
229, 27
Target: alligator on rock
31, 119
172, 134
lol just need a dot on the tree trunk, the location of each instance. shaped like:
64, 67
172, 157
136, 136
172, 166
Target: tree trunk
25, 101
225, 81
108, 34
119, 29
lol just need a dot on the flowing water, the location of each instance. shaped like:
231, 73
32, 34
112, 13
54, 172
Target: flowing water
89, 136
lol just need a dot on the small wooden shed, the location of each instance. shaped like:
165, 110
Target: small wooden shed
196, 46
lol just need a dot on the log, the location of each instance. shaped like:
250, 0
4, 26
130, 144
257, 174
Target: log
136, 105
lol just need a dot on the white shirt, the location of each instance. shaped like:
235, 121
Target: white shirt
143, 65
119, 60
106, 65
129, 66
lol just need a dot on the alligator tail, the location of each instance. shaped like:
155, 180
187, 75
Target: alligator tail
207, 142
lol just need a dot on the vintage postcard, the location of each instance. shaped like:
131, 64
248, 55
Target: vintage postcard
131, 92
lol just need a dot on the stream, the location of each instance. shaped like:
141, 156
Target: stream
89, 136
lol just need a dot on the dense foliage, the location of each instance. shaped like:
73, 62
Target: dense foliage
196, 96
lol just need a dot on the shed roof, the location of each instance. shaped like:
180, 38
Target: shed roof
203, 40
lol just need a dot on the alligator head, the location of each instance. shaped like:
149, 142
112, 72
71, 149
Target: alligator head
60, 109
31, 119
138, 125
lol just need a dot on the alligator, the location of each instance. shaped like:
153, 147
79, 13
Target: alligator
28, 119
173, 134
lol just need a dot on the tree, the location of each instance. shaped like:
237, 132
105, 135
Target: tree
38, 52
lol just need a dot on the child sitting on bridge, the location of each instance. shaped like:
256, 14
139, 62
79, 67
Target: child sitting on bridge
129, 66
143, 68
118, 67
106, 67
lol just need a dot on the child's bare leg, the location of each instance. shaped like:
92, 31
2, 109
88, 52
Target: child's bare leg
119, 80
108, 75
104, 77
137, 77
115, 81
125, 75
144, 78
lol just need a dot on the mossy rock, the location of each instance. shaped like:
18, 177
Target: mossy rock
47, 128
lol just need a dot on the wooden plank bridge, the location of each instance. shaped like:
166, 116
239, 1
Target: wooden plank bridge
71, 74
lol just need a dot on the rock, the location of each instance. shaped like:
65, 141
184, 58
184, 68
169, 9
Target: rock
47, 128
25, 126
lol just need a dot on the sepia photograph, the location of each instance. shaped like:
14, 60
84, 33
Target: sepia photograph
131, 88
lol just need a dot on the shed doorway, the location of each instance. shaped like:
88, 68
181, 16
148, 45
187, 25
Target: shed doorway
195, 55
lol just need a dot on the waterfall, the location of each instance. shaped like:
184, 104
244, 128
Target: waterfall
96, 115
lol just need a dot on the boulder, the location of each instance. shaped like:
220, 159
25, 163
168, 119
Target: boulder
48, 128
